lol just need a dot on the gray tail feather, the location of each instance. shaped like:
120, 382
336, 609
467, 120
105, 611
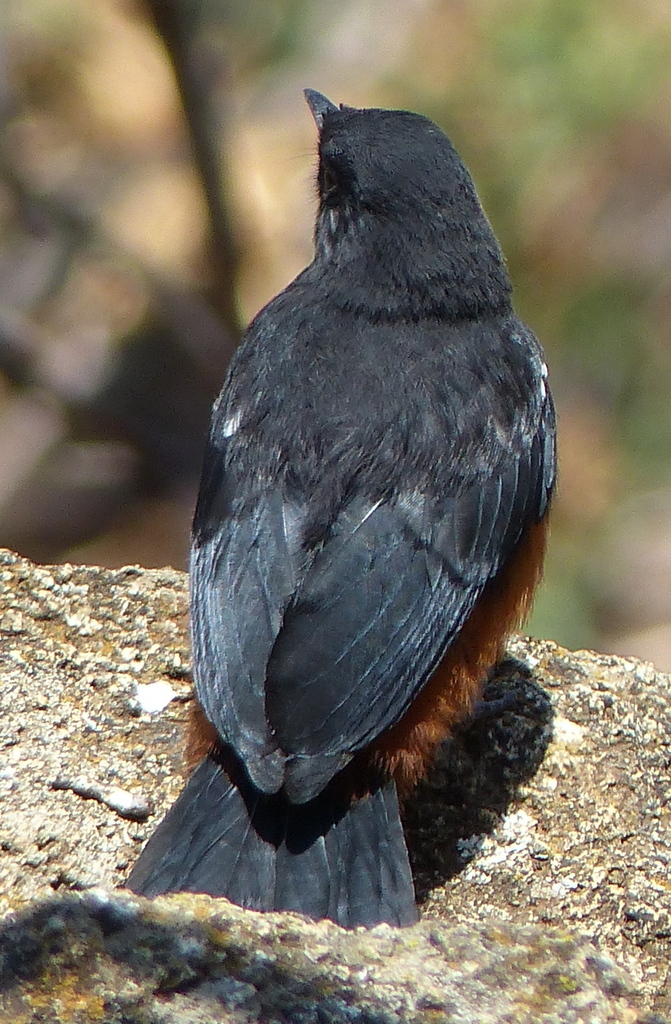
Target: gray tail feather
327, 858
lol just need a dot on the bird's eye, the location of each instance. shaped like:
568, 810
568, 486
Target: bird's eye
329, 180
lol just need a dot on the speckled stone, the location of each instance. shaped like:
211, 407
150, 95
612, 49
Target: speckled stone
189, 959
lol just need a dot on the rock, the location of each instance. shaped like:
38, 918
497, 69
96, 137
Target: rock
191, 960
75, 642
557, 812
541, 842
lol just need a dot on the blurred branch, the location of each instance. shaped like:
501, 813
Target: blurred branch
197, 70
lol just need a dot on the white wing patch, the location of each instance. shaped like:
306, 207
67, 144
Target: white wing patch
543, 378
232, 423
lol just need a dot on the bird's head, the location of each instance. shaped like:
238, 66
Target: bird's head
392, 187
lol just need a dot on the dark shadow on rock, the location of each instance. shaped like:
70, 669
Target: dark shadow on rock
477, 773
75, 945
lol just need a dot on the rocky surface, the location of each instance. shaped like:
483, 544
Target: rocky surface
75, 644
558, 812
545, 824
193, 960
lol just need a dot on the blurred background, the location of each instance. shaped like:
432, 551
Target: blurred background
156, 189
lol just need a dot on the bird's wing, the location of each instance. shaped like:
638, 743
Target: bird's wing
245, 558
303, 657
383, 599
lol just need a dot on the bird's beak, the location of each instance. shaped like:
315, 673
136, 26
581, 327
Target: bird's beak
319, 105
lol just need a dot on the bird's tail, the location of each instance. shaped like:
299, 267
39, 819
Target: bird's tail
328, 858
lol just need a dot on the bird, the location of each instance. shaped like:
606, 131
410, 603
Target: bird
370, 527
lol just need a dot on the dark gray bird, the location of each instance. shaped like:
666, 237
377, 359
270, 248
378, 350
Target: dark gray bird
370, 527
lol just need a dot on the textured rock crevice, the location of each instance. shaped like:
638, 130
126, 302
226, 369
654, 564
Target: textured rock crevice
545, 820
